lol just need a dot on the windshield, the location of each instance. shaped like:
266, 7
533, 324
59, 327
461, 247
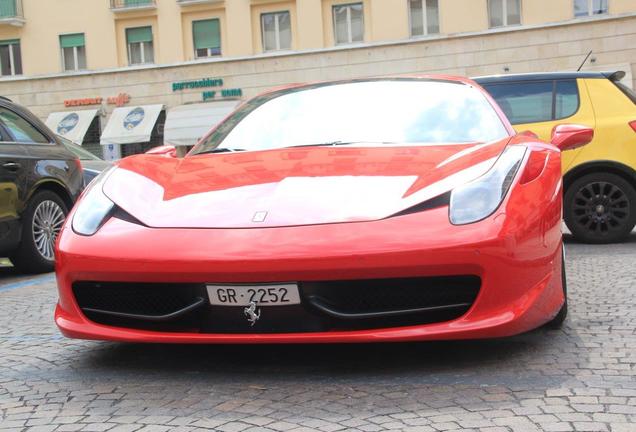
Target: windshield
78, 151
379, 111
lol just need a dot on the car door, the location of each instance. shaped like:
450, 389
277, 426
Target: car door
539, 105
13, 189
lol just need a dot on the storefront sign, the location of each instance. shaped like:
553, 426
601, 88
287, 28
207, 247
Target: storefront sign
67, 124
120, 100
225, 93
205, 82
209, 94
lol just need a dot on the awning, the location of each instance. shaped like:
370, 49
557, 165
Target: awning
72, 125
186, 124
131, 125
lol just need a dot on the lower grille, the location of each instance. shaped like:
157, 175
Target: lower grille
325, 305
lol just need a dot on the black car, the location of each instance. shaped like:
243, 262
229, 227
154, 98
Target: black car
39, 182
91, 164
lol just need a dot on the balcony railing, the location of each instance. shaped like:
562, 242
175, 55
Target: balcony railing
125, 5
11, 12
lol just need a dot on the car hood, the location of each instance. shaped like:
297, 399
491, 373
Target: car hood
292, 186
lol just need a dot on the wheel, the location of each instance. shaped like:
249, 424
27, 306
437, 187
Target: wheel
557, 322
41, 223
600, 208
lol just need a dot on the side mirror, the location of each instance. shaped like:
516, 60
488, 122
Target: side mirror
164, 150
571, 136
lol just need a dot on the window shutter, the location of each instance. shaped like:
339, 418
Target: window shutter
207, 34
72, 40
7, 8
139, 34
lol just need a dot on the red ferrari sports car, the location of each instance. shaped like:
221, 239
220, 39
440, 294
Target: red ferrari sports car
384, 209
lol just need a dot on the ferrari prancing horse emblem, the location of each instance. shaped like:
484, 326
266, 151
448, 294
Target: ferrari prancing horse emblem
252, 314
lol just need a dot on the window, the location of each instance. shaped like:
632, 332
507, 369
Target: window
589, 7
371, 111
348, 23
8, 9
539, 101
207, 38
10, 57
276, 29
566, 99
73, 51
424, 17
140, 48
21, 130
504, 12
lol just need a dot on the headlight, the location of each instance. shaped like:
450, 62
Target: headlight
93, 208
479, 199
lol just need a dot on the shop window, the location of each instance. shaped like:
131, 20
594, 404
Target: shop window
91, 139
73, 51
424, 17
504, 12
140, 47
156, 139
584, 8
276, 31
348, 21
10, 57
206, 35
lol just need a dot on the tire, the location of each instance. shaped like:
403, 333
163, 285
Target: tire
48, 211
557, 322
600, 208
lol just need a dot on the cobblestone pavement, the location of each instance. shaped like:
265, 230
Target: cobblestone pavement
581, 378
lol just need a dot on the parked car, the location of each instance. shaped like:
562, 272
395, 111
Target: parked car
39, 182
91, 164
600, 178
363, 210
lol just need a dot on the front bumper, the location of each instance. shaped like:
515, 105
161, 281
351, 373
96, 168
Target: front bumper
518, 261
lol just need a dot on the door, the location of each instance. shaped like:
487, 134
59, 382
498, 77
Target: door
538, 106
13, 193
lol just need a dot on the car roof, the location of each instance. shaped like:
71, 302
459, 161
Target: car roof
548, 76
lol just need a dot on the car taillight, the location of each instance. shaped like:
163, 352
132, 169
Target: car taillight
78, 163
633, 124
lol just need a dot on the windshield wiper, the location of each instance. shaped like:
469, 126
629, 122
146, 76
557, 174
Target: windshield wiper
220, 150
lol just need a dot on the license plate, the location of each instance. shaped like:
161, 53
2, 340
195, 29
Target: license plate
262, 295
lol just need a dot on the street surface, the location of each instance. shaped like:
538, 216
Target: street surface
581, 378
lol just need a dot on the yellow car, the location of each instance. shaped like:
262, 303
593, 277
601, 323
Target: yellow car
599, 178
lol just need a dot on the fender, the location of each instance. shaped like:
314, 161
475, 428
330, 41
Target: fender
625, 171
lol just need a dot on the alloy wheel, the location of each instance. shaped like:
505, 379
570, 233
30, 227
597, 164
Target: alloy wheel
601, 207
48, 219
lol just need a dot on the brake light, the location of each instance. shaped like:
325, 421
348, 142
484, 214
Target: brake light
633, 124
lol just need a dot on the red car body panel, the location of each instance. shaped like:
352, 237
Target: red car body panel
225, 190
516, 251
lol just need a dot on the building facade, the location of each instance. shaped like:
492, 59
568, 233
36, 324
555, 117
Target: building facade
188, 62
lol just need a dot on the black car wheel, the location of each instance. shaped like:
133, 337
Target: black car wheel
42, 222
600, 208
